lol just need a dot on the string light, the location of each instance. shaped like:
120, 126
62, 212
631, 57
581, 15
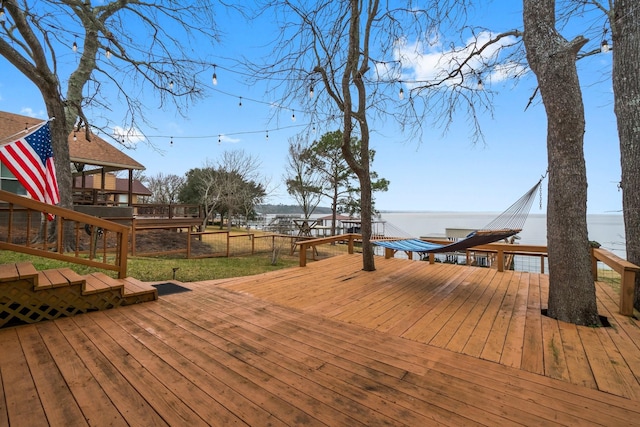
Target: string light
75, 46
267, 135
401, 94
75, 137
480, 85
3, 17
215, 76
311, 91
171, 85
108, 53
171, 141
604, 47
240, 103
293, 116
219, 139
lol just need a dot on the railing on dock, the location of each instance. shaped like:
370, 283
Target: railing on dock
70, 236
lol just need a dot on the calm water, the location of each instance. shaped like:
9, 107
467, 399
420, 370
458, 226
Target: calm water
608, 230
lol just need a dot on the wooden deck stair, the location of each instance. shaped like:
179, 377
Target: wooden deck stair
29, 296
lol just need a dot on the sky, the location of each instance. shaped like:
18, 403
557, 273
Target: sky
440, 172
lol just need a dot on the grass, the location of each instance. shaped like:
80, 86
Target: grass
151, 269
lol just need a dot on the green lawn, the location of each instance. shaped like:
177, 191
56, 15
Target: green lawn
157, 269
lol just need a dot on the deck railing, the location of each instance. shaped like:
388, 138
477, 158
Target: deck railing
71, 236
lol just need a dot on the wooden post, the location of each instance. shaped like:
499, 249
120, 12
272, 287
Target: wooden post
303, 255
594, 264
133, 237
627, 290
500, 256
351, 244
122, 268
189, 243
432, 258
388, 253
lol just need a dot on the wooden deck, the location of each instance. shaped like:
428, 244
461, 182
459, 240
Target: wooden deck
410, 344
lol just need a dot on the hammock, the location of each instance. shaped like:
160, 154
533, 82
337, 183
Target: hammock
507, 224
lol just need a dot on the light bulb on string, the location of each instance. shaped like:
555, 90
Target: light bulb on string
3, 17
401, 94
171, 141
75, 46
240, 103
480, 85
171, 85
75, 137
215, 76
108, 53
267, 137
219, 139
604, 47
311, 91
293, 116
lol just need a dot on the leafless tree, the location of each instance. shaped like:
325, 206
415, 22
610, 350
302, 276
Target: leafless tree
79, 54
304, 182
164, 188
237, 178
339, 55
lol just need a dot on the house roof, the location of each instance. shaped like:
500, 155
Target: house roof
122, 185
95, 152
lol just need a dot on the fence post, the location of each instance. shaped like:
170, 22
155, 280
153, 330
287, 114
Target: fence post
122, 267
133, 237
351, 244
189, 243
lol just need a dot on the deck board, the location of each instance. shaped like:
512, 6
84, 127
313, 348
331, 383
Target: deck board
324, 345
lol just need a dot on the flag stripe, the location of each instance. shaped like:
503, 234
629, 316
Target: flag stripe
24, 159
18, 163
30, 159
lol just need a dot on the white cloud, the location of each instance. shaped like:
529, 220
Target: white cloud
225, 138
432, 61
128, 137
28, 111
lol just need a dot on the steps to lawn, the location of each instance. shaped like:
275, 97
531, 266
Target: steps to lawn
28, 295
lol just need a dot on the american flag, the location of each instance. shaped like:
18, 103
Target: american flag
30, 159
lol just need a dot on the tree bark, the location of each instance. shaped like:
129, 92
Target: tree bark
625, 29
553, 59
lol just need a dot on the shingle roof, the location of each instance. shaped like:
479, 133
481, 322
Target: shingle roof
96, 152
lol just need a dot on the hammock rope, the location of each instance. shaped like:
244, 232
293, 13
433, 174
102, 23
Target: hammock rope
515, 215
505, 225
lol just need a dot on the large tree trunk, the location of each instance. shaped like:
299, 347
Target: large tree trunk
625, 28
552, 58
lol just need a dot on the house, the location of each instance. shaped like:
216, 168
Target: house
93, 162
114, 192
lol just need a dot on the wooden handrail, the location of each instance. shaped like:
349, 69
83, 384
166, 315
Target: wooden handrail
18, 208
304, 245
627, 271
